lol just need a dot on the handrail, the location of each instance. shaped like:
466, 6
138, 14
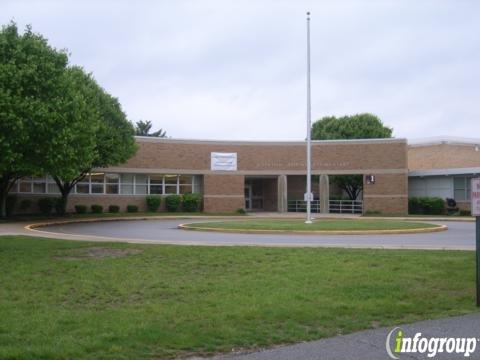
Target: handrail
334, 206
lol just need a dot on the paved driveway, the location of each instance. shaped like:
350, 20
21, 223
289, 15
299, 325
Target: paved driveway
460, 236
371, 344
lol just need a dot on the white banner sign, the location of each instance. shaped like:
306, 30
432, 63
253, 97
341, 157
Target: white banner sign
223, 161
475, 196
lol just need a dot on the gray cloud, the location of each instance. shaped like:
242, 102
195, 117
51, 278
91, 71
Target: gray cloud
236, 69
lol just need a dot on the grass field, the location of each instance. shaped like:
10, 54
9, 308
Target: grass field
80, 300
317, 225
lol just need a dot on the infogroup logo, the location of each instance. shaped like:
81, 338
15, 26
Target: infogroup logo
430, 346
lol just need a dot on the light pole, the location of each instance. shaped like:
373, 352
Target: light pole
309, 128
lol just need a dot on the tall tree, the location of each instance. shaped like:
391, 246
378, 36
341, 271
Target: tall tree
142, 128
359, 126
103, 138
31, 86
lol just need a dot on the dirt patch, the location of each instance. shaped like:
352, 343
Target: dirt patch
97, 253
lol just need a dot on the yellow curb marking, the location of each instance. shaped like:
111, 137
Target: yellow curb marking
318, 232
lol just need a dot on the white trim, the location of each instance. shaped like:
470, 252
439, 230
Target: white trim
267, 142
441, 140
445, 172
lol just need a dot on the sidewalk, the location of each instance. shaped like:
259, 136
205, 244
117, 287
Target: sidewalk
371, 344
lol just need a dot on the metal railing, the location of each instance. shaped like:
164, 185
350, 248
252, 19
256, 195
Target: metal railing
301, 206
346, 206
335, 206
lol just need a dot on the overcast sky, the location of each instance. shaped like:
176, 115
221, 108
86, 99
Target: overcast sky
236, 69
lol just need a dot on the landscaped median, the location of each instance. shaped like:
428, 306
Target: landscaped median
319, 226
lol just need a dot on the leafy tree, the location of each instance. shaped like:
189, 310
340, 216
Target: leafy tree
359, 126
103, 138
143, 128
31, 87
53, 119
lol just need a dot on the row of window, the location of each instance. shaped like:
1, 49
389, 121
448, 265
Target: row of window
461, 188
108, 183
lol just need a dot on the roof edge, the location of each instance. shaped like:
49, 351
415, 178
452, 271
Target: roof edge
266, 142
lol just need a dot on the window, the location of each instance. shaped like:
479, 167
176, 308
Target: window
52, 187
186, 184
156, 184
25, 185
126, 184
461, 188
112, 183
171, 184
97, 183
141, 184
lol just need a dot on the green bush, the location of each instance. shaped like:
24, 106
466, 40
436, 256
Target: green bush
192, 202
96, 209
10, 204
132, 208
113, 208
46, 205
153, 202
465, 213
426, 206
81, 209
173, 202
60, 206
25, 204
241, 211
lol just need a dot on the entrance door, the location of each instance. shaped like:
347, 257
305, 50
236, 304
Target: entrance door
248, 197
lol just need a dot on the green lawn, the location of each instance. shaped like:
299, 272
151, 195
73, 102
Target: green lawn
319, 224
59, 301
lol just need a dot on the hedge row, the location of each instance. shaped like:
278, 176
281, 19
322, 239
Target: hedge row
426, 206
189, 202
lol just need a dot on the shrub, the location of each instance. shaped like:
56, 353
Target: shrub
241, 211
113, 208
153, 202
132, 208
173, 202
60, 206
10, 204
465, 213
192, 202
46, 205
25, 204
80, 209
426, 206
96, 209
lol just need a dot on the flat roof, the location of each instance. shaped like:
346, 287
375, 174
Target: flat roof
445, 172
439, 140
268, 142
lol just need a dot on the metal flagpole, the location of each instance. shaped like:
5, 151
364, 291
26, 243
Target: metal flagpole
309, 128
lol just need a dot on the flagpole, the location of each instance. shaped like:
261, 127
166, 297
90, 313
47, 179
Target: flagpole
309, 128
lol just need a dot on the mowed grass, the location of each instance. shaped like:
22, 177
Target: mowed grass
317, 225
58, 302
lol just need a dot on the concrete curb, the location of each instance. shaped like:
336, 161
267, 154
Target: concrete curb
133, 218
188, 226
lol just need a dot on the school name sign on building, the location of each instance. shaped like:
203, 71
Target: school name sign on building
475, 196
223, 161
